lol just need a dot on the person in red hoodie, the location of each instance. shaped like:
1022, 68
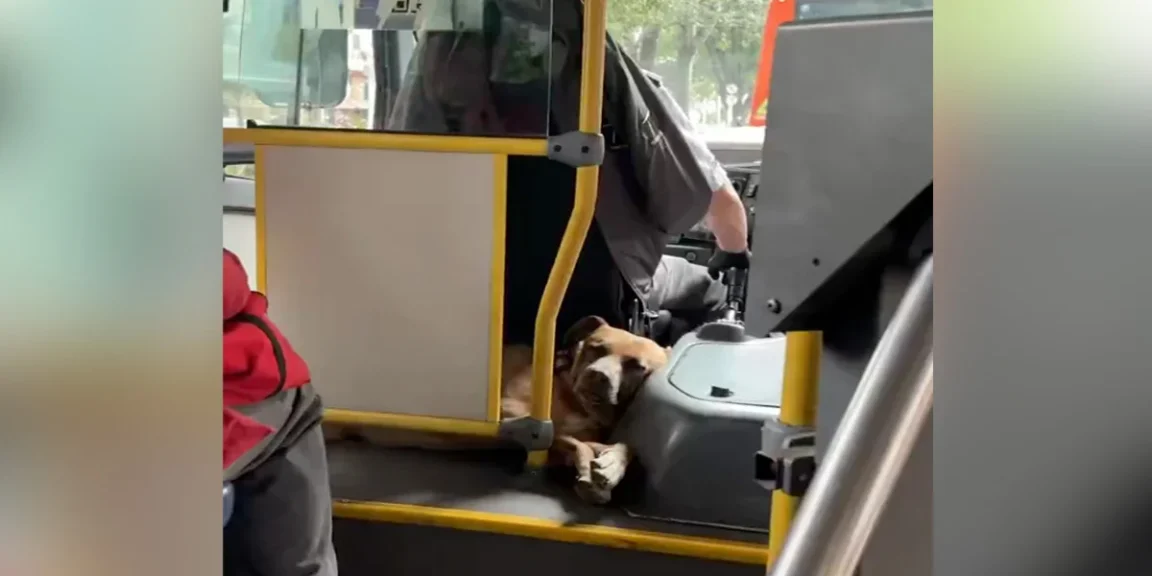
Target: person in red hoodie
273, 445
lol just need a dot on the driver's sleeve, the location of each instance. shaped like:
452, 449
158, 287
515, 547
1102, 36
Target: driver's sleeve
713, 171
672, 166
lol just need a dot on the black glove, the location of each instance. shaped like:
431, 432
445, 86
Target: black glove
723, 261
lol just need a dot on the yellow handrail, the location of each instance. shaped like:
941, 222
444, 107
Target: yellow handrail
372, 140
583, 208
797, 408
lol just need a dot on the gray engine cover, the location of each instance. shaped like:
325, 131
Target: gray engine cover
696, 450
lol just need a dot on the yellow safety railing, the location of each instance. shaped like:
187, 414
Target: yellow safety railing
360, 139
797, 409
579, 222
583, 208
500, 149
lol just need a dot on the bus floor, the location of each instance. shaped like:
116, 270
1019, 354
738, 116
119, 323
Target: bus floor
406, 511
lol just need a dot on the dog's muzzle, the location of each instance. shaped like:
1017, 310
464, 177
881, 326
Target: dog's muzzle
598, 385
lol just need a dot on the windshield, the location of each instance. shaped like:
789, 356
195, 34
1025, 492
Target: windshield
714, 56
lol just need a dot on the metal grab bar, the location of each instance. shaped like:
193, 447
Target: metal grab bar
870, 448
579, 222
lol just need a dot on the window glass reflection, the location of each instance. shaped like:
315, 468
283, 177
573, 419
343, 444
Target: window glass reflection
472, 67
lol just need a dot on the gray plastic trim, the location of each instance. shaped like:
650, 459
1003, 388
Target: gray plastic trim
239, 195
577, 149
528, 432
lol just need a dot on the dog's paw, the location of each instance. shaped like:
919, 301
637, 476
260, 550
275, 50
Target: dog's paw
608, 468
589, 492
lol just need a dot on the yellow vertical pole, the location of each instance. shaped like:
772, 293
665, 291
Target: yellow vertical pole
797, 409
583, 208
261, 206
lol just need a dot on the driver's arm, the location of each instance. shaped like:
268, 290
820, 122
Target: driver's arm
727, 219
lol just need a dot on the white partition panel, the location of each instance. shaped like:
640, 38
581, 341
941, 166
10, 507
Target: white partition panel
379, 271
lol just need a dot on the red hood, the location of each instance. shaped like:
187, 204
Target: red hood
236, 288
258, 360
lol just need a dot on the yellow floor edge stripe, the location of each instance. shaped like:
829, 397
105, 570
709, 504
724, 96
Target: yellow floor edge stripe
511, 525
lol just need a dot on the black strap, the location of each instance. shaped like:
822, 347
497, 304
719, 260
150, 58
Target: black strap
277, 350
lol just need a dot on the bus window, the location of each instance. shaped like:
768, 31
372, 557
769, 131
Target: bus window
710, 55
707, 55
273, 70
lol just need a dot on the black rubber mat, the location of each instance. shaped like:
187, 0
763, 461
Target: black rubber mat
485, 482
377, 549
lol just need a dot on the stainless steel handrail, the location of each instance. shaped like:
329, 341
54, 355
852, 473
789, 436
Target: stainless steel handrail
870, 447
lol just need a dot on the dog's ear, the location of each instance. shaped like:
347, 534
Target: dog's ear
581, 330
562, 361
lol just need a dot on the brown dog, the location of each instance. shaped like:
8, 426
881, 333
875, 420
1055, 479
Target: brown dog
598, 371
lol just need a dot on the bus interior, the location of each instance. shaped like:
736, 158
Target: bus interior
329, 207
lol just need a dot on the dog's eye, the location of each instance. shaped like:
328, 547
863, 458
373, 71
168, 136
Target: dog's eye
633, 365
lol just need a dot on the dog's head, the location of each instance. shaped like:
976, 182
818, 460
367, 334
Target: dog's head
607, 365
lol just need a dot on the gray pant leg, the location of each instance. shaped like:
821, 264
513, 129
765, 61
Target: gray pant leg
684, 288
282, 523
